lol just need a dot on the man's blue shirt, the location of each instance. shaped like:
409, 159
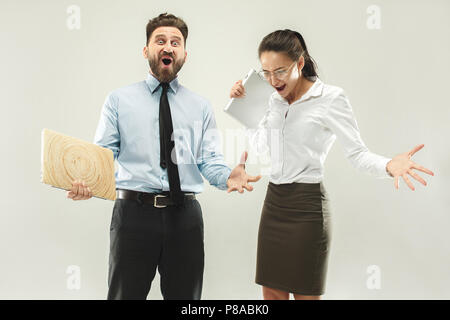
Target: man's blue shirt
129, 126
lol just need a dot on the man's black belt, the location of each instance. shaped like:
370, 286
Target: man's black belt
158, 200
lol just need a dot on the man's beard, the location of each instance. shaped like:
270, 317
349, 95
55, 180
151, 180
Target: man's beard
165, 75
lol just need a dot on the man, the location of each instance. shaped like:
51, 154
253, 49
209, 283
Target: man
156, 221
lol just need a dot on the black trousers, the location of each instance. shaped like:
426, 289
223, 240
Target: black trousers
143, 238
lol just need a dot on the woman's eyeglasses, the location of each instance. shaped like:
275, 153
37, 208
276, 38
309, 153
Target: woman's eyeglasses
278, 74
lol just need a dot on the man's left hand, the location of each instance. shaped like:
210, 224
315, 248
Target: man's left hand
239, 179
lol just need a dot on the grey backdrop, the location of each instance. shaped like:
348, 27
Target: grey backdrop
396, 78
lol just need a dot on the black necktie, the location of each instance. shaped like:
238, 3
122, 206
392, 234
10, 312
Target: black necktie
167, 147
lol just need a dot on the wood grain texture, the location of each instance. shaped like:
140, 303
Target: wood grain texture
65, 159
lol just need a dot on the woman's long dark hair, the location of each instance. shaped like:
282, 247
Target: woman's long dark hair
292, 43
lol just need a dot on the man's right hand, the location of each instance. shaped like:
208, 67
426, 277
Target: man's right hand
237, 91
79, 191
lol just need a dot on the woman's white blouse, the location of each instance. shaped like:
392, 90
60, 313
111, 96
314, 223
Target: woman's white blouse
300, 136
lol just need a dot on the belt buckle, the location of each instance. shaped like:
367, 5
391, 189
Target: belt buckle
154, 201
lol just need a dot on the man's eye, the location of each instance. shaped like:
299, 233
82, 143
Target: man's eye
160, 42
175, 43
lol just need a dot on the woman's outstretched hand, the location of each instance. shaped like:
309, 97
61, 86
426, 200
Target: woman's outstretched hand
402, 165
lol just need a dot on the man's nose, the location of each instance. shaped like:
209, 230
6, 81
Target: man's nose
168, 48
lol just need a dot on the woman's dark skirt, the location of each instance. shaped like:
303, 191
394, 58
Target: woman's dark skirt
294, 238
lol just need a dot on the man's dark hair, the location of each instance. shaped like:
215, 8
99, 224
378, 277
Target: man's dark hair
167, 20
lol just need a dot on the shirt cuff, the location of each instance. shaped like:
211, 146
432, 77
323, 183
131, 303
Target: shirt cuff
383, 168
222, 185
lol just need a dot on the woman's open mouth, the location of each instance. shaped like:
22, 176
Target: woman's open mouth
280, 88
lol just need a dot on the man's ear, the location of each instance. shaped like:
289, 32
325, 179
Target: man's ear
145, 52
185, 56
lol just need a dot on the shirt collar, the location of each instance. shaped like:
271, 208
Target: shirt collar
315, 91
154, 83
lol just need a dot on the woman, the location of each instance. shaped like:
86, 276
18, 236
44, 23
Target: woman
303, 119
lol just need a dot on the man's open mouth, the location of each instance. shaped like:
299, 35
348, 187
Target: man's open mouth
166, 61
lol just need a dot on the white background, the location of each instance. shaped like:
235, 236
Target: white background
396, 78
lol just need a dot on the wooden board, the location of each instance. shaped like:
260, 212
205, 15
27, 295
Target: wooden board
65, 159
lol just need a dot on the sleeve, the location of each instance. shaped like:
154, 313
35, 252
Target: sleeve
107, 134
340, 119
211, 161
272, 120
